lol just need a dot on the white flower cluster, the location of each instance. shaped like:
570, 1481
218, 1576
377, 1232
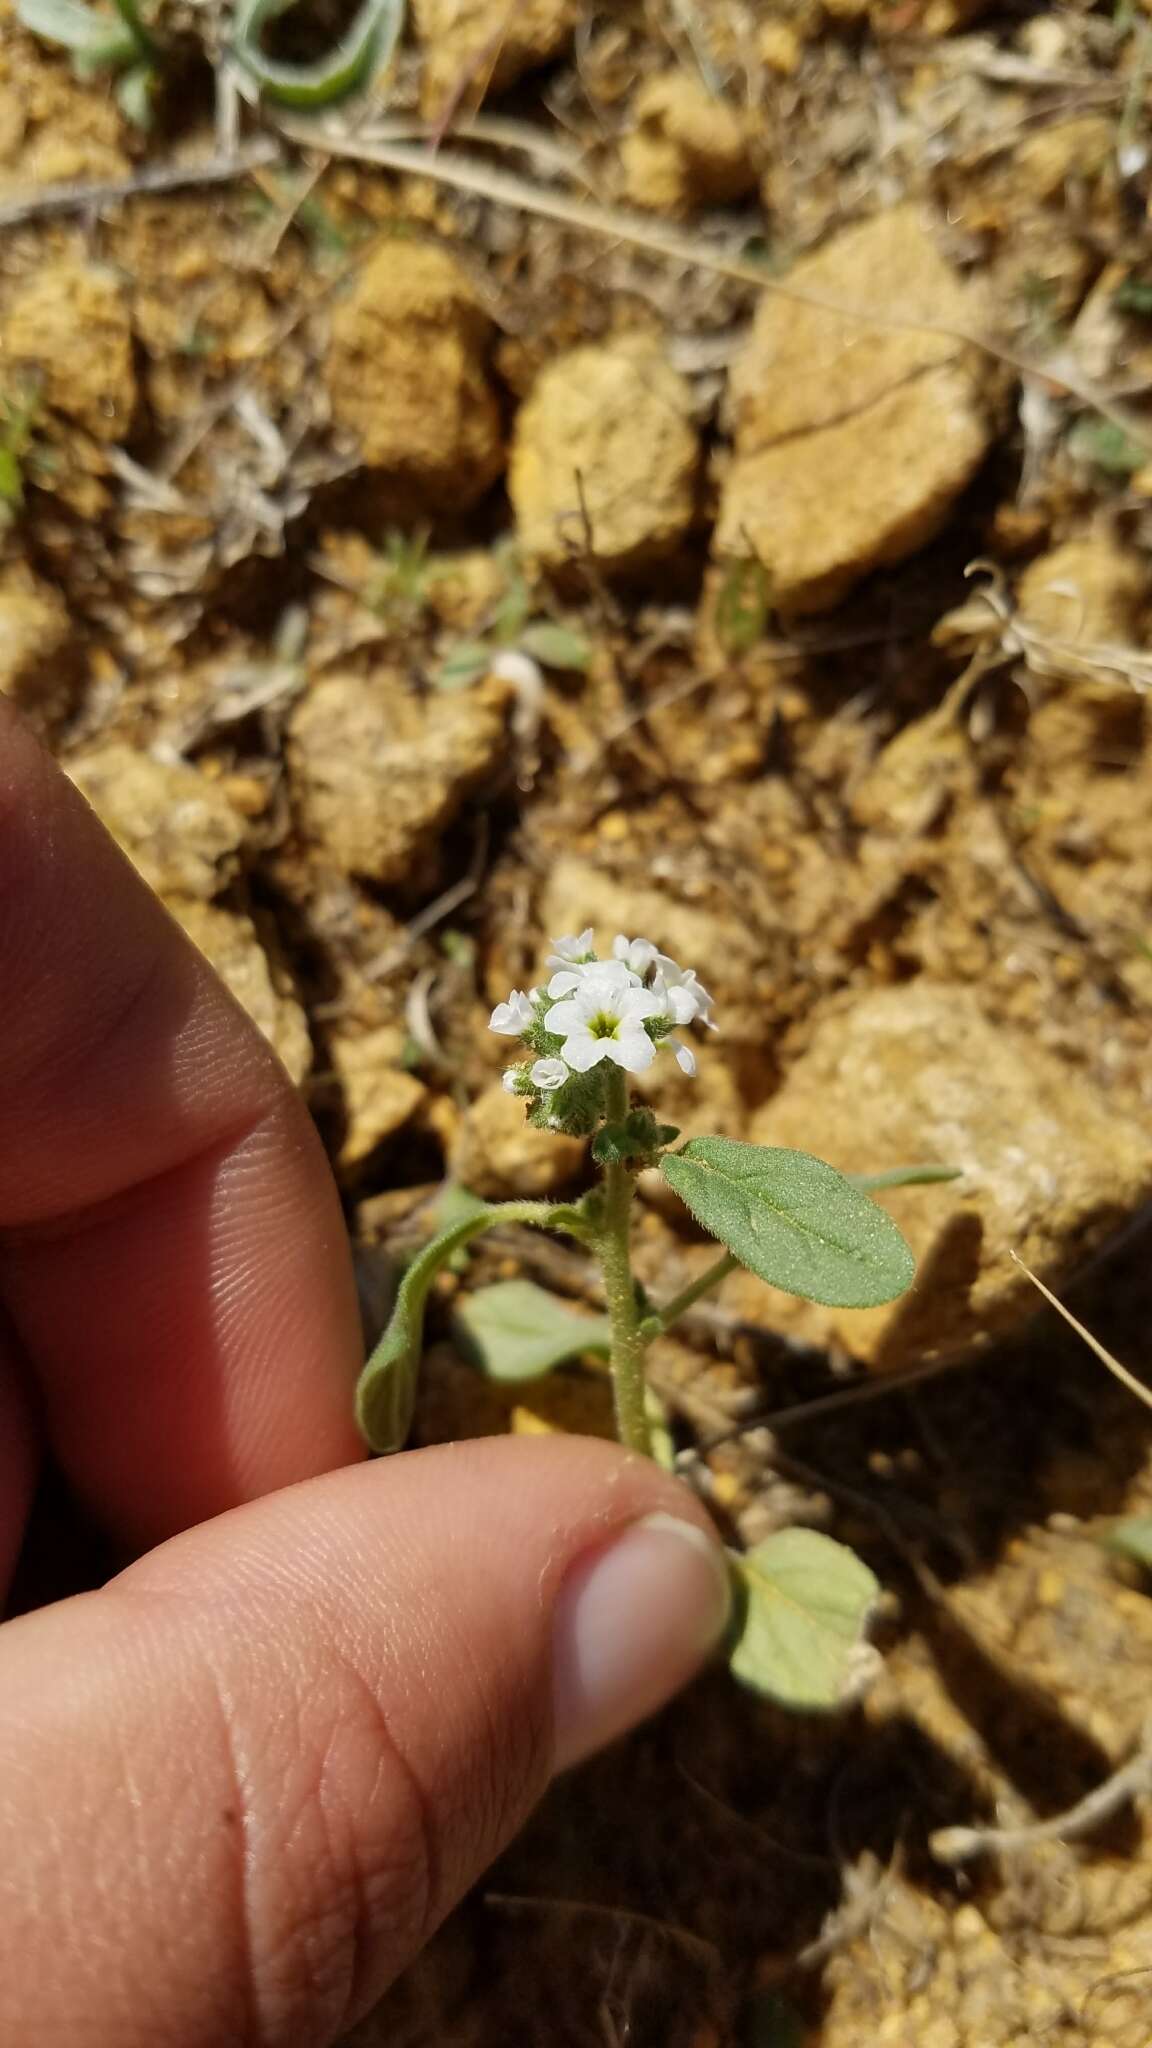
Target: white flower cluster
622, 1010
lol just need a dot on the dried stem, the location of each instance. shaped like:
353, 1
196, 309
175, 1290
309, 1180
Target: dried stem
83, 197
1131, 1781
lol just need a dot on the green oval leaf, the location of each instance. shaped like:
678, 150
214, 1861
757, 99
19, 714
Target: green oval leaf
517, 1331
555, 646
792, 1220
468, 661
802, 1606
354, 61
1132, 1538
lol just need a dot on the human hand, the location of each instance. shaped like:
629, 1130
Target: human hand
242, 1783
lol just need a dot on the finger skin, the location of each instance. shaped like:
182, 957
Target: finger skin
172, 1254
18, 1459
241, 1786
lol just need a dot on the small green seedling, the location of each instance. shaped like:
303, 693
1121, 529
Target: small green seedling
119, 42
1103, 444
743, 604
18, 415
801, 1602
514, 636
122, 43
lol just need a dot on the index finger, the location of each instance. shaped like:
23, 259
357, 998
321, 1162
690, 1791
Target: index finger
173, 1258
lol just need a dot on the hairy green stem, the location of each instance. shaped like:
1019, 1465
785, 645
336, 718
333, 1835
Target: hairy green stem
663, 1319
627, 1359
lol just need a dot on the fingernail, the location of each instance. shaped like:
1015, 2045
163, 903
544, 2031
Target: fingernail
634, 1621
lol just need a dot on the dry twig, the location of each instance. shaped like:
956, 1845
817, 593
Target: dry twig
84, 197
1132, 1781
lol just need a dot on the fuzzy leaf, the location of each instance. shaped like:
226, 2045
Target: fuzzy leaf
354, 61
555, 646
638, 1138
1133, 1538
792, 1220
518, 1331
386, 1390
803, 1602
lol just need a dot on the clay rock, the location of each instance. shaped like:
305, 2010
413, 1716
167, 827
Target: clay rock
497, 1152
178, 828
68, 324
615, 420
485, 43
917, 1074
1087, 595
687, 148
379, 1095
36, 670
406, 374
378, 773
1090, 590
258, 979
852, 441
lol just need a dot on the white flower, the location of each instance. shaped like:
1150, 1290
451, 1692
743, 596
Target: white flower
573, 952
603, 1019
686, 997
638, 954
562, 984
569, 978
678, 1003
548, 1074
513, 1018
510, 1080
685, 1057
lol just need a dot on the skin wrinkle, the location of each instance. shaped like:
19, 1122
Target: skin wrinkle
71, 1224
348, 1698
284, 1977
416, 1879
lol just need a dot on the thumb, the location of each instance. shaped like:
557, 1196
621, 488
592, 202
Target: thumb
241, 1785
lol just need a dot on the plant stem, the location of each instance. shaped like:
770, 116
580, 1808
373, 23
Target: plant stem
654, 1325
627, 1358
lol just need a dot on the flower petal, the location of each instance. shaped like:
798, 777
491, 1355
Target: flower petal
583, 1052
682, 1004
640, 1003
512, 1018
548, 1074
633, 1051
565, 1017
685, 1057
568, 951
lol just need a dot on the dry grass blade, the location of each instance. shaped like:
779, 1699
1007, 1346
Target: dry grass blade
505, 188
83, 196
1121, 1372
